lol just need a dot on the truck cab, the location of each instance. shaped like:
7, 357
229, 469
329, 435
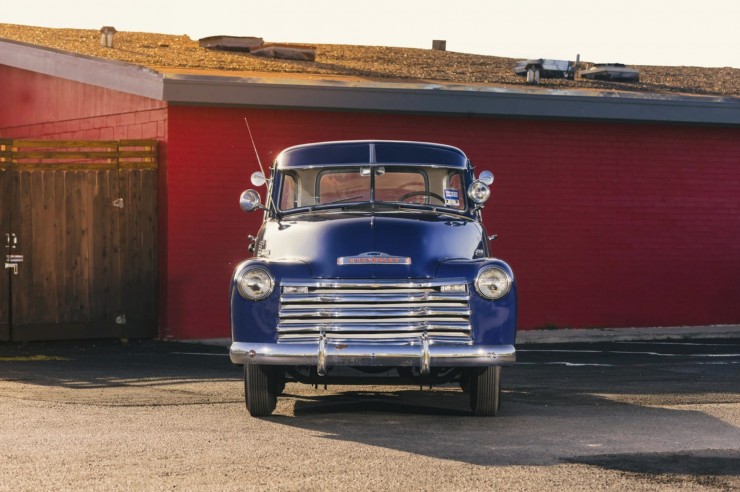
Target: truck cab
372, 265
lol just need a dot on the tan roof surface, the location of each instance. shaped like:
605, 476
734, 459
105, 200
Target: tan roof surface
167, 53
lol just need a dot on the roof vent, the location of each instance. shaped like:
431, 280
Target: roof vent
107, 32
618, 72
439, 44
287, 51
231, 43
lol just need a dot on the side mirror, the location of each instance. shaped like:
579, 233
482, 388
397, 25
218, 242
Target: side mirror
258, 179
486, 177
249, 201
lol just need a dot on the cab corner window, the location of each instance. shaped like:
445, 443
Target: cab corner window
453, 191
288, 194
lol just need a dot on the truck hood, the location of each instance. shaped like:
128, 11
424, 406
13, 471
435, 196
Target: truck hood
371, 246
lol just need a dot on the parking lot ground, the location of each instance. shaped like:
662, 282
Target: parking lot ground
577, 416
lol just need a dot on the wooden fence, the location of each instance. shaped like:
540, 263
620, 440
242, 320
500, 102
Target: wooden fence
82, 217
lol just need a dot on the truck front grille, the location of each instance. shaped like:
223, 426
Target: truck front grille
374, 311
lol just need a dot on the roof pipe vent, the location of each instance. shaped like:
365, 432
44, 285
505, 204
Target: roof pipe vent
107, 33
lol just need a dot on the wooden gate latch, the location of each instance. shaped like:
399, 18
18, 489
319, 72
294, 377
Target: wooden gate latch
12, 262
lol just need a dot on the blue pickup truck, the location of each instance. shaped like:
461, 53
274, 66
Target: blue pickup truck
372, 266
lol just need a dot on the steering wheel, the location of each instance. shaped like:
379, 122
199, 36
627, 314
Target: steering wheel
421, 193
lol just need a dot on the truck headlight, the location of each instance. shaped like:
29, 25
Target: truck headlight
493, 283
254, 283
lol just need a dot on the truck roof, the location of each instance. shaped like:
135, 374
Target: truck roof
364, 152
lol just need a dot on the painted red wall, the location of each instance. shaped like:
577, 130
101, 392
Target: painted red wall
605, 225
39, 106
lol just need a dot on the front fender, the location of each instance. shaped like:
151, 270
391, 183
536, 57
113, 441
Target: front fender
493, 322
256, 321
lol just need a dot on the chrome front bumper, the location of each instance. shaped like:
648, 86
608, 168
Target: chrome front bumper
324, 354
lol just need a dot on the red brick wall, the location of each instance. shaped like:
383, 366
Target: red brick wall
604, 224
38, 106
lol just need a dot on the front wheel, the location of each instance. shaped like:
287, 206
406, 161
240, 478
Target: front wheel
485, 391
260, 389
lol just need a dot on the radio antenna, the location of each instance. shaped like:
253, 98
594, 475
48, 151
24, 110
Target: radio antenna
268, 198
255, 148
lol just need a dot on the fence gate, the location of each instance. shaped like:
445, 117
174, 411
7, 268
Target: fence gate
78, 225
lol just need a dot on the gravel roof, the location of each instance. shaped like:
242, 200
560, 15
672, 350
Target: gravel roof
167, 52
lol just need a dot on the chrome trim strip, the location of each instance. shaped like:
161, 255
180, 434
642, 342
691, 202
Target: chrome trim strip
371, 284
380, 338
368, 312
349, 354
359, 164
375, 297
376, 326
373, 260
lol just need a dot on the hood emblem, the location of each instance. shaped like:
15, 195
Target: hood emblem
373, 258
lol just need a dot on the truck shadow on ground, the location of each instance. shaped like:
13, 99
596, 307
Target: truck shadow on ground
536, 427
634, 418
627, 412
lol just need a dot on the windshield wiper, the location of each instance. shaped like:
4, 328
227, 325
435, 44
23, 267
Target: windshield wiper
418, 207
378, 207
338, 204
324, 206
340, 200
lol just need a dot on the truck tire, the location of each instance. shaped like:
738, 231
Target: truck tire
485, 391
260, 389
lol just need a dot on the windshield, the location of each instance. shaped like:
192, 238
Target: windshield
437, 187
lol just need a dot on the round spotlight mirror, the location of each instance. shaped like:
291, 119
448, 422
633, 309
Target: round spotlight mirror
486, 177
258, 179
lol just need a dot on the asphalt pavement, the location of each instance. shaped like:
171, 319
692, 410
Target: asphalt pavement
145, 415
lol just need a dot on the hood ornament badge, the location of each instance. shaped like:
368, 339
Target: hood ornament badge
373, 258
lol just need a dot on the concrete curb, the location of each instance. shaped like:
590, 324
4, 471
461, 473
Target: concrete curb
591, 335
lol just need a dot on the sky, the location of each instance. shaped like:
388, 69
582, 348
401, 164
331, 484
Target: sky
635, 32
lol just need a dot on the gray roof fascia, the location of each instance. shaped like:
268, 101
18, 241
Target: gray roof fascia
452, 99
124, 77
327, 93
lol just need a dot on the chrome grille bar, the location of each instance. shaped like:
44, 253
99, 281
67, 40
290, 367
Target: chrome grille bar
374, 297
411, 338
371, 284
370, 312
373, 326
383, 312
